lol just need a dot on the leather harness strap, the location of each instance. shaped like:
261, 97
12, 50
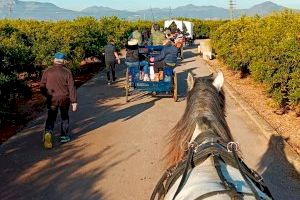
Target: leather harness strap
245, 177
184, 175
234, 194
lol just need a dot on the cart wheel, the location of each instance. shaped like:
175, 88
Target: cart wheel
175, 87
127, 85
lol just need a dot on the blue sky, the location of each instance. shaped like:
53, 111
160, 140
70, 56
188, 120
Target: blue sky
134, 5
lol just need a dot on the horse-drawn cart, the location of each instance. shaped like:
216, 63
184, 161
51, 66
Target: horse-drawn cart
166, 86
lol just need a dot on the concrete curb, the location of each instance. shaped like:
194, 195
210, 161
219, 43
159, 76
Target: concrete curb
263, 125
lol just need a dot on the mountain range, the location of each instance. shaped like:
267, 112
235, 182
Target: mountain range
49, 11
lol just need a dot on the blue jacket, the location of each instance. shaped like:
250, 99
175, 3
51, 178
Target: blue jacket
168, 54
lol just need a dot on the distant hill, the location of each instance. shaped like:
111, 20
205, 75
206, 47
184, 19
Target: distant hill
264, 8
100, 11
49, 11
201, 12
37, 10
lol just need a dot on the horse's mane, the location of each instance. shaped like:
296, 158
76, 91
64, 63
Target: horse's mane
205, 107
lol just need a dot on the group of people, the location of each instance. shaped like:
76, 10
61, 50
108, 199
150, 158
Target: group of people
57, 83
172, 44
157, 36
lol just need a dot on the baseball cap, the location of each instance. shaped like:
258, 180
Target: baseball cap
59, 55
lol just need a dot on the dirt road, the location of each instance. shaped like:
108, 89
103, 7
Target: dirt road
117, 147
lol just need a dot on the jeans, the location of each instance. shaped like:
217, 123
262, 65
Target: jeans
144, 64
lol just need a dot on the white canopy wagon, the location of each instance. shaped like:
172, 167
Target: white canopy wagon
184, 26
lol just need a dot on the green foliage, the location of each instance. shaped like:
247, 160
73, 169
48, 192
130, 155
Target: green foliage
115, 28
15, 50
269, 48
205, 28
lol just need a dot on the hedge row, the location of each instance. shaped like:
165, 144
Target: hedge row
205, 28
268, 48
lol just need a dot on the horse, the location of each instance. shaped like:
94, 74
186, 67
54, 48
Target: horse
203, 161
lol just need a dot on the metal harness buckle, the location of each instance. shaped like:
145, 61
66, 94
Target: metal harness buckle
232, 146
194, 145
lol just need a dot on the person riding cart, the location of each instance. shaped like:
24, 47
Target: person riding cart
136, 34
157, 36
167, 57
133, 58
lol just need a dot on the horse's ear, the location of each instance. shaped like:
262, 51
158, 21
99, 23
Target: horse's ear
190, 81
219, 81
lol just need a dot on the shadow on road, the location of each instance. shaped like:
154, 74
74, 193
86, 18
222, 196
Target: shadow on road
63, 173
277, 171
182, 84
27, 171
98, 109
190, 54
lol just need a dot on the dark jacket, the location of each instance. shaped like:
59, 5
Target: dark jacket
132, 53
57, 83
168, 54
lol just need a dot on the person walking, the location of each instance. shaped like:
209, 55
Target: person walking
57, 85
179, 41
111, 58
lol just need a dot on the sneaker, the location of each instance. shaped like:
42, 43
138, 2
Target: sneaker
108, 83
64, 139
48, 140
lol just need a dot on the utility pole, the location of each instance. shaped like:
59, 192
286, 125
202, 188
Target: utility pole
152, 14
10, 6
232, 5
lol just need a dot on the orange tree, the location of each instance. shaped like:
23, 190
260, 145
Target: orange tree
15, 56
266, 47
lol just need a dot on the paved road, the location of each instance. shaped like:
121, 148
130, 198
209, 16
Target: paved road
117, 147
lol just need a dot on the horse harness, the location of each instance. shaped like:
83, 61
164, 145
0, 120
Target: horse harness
198, 151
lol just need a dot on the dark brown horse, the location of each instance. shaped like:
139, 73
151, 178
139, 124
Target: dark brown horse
202, 158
